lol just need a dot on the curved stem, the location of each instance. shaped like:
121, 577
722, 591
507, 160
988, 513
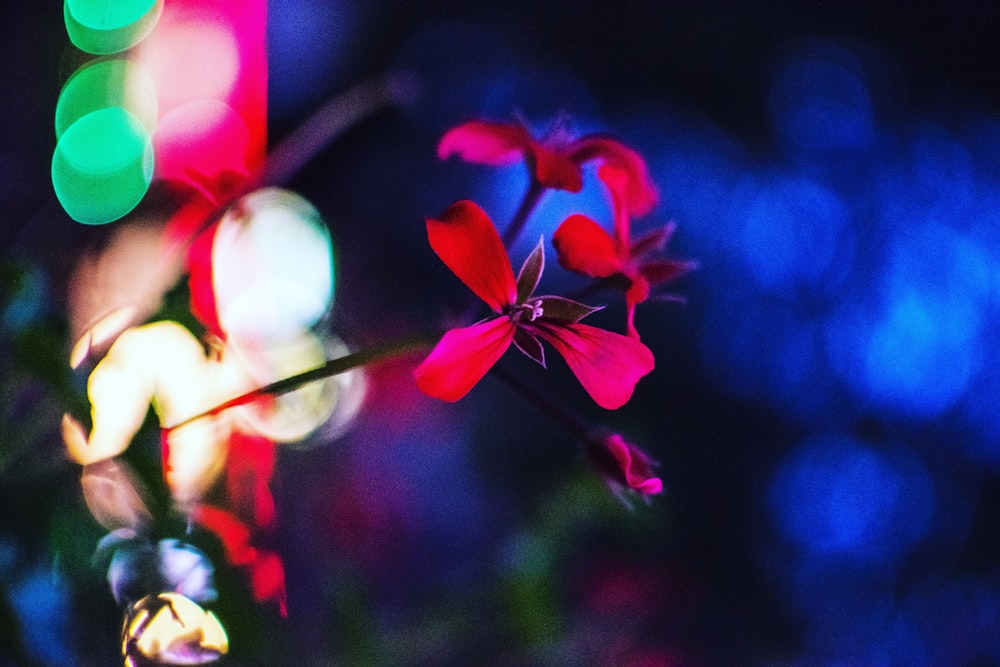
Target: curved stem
558, 412
331, 120
332, 367
314, 134
520, 219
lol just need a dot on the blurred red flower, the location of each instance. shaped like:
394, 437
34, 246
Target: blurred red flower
624, 466
584, 247
555, 161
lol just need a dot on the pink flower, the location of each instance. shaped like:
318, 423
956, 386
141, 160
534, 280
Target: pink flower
624, 467
585, 247
608, 365
555, 161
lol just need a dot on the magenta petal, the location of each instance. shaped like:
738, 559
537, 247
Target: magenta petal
481, 142
468, 243
607, 364
635, 465
462, 357
623, 463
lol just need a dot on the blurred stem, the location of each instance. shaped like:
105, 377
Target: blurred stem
332, 119
374, 354
520, 219
556, 411
316, 133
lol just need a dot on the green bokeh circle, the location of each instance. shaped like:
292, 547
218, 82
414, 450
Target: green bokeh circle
109, 26
112, 82
102, 166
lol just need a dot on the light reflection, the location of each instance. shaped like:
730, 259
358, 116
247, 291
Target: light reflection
161, 364
272, 267
171, 629
113, 496
192, 55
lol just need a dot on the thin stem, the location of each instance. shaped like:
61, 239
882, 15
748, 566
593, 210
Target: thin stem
577, 425
332, 367
331, 120
314, 134
520, 219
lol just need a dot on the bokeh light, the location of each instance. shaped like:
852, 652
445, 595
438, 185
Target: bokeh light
103, 165
113, 82
110, 27
796, 237
205, 144
191, 56
272, 266
820, 104
838, 497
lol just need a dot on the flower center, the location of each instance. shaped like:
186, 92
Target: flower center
530, 309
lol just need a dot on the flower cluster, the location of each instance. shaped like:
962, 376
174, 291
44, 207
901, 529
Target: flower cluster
607, 364
586, 248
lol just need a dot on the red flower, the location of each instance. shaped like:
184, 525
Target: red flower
608, 365
585, 247
624, 467
554, 161
267, 573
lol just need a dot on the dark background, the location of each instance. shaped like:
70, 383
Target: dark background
823, 407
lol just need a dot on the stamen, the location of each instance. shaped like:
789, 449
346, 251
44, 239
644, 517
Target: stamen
534, 310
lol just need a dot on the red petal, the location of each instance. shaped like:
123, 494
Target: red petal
468, 243
233, 533
616, 181
267, 575
482, 142
607, 364
585, 247
201, 280
554, 169
639, 195
637, 292
249, 467
462, 358
267, 578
